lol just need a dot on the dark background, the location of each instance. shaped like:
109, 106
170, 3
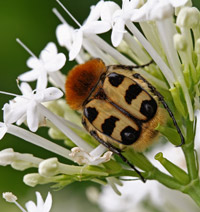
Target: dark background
34, 23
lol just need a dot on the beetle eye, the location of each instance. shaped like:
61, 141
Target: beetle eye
129, 135
148, 108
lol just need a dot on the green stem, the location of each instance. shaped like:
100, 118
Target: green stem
193, 190
188, 150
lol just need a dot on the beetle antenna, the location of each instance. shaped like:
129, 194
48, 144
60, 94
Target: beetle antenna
118, 152
161, 98
131, 67
142, 66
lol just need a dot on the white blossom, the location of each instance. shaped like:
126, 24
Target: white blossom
25, 107
91, 26
82, 157
117, 16
49, 61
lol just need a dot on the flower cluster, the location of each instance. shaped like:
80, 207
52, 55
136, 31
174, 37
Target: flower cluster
170, 36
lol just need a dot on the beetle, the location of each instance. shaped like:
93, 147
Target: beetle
120, 108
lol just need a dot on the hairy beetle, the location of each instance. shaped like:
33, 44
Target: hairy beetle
119, 107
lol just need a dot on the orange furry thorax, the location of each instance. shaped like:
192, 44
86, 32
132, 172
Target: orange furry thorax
80, 81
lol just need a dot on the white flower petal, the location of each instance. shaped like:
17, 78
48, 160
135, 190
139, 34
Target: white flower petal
50, 94
33, 62
161, 11
142, 14
96, 27
29, 75
95, 12
64, 34
117, 32
178, 3
56, 63
14, 111
40, 201
21, 120
25, 88
31, 207
48, 203
49, 51
32, 116
3, 130
77, 44
42, 81
107, 11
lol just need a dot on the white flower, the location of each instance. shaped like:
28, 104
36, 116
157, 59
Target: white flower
117, 16
91, 26
82, 157
156, 9
49, 61
41, 205
25, 107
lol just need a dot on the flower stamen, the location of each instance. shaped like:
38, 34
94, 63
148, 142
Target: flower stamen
67, 11
25, 47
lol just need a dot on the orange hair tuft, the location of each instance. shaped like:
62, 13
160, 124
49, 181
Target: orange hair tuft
80, 80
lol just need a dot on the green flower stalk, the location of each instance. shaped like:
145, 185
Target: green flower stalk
170, 36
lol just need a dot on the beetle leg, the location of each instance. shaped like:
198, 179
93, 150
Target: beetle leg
118, 152
161, 99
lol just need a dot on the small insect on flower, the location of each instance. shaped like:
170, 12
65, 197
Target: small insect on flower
120, 108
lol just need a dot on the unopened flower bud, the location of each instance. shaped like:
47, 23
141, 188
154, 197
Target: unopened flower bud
180, 42
7, 156
188, 17
33, 179
21, 165
49, 167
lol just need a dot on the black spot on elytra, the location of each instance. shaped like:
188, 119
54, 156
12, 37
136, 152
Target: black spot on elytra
90, 113
132, 92
129, 135
148, 108
109, 125
115, 79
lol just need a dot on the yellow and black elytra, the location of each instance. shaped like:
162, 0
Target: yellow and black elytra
120, 108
